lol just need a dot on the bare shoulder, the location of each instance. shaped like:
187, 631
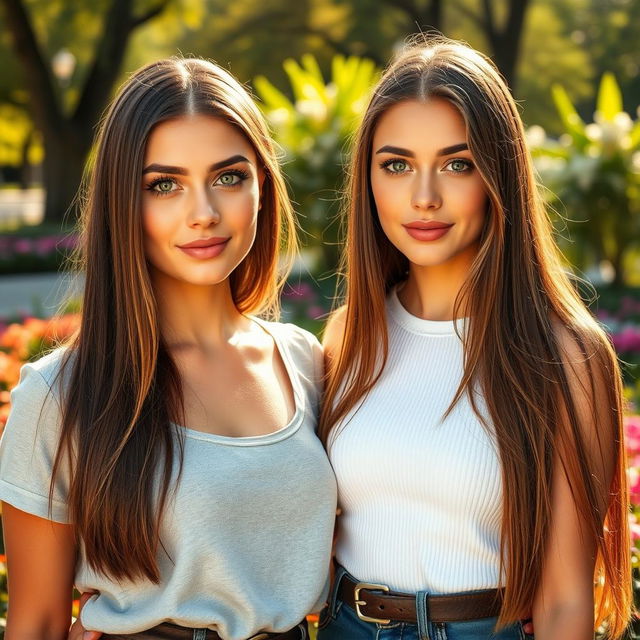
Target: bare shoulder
592, 374
333, 334
585, 350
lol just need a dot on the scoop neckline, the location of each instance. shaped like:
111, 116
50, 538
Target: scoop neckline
420, 325
267, 438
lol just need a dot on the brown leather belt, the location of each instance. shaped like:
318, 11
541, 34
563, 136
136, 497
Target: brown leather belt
168, 631
376, 603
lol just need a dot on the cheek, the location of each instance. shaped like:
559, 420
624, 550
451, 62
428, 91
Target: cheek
472, 201
155, 226
386, 197
242, 211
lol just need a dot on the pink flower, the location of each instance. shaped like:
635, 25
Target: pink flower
632, 434
301, 291
45, 246
635, 528
67, 242
315, 312
633, 473
627, 340
22, 246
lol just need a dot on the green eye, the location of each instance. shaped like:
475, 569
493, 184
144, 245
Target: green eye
164, 185
458, 166
229, 179
398, 166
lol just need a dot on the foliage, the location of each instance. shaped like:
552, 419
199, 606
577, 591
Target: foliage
313, 131
561, 59
594, 171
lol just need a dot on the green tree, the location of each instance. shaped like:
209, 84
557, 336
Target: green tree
67, 130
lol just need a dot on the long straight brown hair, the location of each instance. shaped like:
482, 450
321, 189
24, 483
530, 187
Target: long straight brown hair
123, 389
517, 294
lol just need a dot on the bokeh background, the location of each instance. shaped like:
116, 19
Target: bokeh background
573, 66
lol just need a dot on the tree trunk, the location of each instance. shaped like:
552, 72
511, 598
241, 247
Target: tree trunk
62, 174
25, 166
67, 139
505, 41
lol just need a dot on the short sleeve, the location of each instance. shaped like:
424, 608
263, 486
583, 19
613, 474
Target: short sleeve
28, 448
309, 359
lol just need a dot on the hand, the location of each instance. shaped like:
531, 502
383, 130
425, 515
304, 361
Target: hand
77, 631
527, 627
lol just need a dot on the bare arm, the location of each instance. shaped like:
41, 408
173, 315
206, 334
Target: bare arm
41, 557
564, 604
333, 336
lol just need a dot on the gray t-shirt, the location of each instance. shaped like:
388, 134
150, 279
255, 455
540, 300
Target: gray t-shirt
247, 531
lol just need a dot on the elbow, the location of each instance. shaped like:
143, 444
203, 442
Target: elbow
566, 620
40, 629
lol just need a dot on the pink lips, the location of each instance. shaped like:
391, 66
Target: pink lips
204, 248
427, 231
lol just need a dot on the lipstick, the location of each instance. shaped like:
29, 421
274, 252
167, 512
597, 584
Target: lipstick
427, 231
204, 248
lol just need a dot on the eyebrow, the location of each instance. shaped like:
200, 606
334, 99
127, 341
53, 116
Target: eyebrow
181, 171
463, 146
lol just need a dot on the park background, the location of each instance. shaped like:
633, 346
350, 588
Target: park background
573, 67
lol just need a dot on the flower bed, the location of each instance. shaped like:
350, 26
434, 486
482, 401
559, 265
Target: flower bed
30, 254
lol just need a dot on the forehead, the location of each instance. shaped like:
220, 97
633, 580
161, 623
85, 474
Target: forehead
189, 138
431, 124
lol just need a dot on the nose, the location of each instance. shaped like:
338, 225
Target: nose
204, 212
426, 194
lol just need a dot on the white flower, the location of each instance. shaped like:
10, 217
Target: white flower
536, 136
279, 117
313, 109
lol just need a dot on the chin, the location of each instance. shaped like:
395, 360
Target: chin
427, 258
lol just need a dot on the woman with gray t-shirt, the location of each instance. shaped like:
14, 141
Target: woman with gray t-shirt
166, 459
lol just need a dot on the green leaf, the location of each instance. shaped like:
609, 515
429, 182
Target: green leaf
609, 97
573, 123
311, 65
635, 135
272, 97
544, 152
305, 86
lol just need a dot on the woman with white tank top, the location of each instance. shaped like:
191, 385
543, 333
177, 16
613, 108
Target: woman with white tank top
473, 409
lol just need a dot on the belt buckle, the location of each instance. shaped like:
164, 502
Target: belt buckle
358, 603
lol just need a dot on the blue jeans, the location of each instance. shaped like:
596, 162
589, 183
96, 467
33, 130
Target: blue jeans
338, 621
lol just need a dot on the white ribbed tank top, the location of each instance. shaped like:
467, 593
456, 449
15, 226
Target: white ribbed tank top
421, 498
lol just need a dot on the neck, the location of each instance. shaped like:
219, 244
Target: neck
430, 292
195, 315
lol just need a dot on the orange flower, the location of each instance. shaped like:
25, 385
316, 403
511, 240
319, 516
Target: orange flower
61, 328
16, 340
9, 373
